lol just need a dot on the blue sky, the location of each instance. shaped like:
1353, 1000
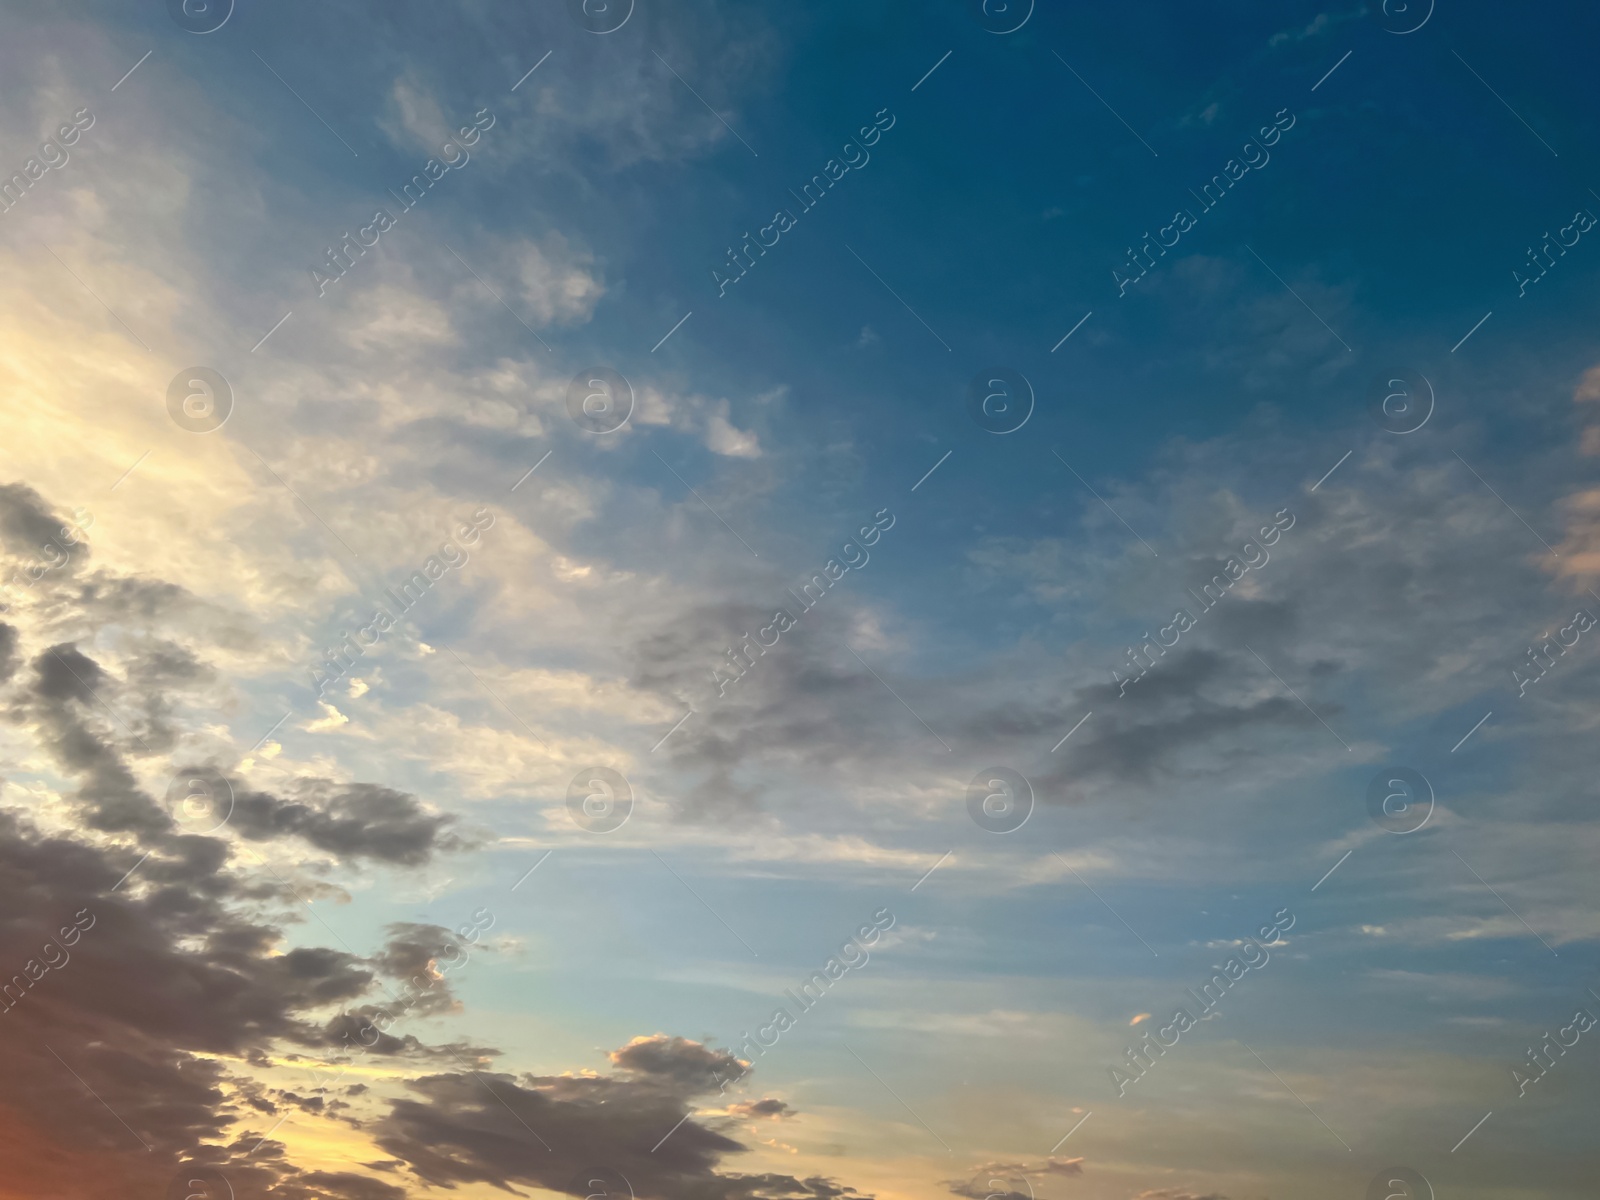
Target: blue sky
1417, 155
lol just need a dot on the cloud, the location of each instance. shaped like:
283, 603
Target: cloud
1011, 1180
708, 420
688, 1066
152, 967
766, 1109
554, 1131
556, 282
355, 820
723, 438
1580, 547
162, 983
26, 521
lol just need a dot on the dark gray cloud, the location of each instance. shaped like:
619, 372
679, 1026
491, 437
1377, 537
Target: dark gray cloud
27, 523
136, 986
357, 820
1402, 588
142, 962
136, 969
69, 697
553, 1131
684, 1065
1191, 701
9, 659
143, 983
97, 723
76, 703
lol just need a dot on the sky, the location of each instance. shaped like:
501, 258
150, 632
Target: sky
721, 601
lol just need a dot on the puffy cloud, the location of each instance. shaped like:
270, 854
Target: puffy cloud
151, 970
155, 987
687, 1066
354, 820
26, 522
556, 281
999, 1180
555, 1132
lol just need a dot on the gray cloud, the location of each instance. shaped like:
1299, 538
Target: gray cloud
761, 1109
687, 1067
458, 1128
27, 523
357, 820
